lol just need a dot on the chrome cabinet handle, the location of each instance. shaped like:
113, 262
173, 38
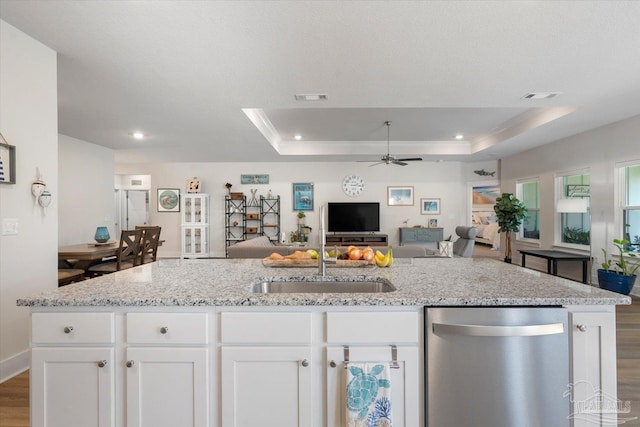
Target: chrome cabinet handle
102, 364
582, 327
333, 364
164, 330
130, 363
305, 363
68, 329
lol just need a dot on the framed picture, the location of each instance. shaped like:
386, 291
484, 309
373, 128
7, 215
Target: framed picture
7, 164
433, 223
400, 196
303, 196
430, 206
168, 200
254, 179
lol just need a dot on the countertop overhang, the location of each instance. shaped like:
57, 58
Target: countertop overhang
419, 282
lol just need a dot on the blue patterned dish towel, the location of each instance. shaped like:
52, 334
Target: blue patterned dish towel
368, 395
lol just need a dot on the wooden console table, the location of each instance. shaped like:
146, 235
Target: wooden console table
553, 257
357, 239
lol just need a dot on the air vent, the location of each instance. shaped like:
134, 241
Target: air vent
311, 97
540, 95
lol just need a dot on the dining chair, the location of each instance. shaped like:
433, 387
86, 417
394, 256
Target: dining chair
126, 256
69, 275
150, 241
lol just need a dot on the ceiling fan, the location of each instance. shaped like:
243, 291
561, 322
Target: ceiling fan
388, 158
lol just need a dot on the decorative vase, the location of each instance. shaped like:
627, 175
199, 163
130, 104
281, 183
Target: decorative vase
614, 282
102, 235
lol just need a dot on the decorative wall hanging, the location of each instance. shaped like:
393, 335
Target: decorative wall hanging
7, 162
168, 200
303, 196
400, 196
193, 185
430, 206
254, 179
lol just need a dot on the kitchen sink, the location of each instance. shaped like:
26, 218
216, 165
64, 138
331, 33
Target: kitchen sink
321, 284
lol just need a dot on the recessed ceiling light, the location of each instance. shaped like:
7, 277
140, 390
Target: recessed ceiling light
297, 137
540, 95
459, 136
138, 135
311, 96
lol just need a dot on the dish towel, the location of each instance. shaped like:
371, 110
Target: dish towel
368, 395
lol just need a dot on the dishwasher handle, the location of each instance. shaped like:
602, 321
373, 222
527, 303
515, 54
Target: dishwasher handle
498, 331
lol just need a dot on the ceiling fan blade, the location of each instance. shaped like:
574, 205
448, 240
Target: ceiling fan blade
377, 163
398, 162
410, 159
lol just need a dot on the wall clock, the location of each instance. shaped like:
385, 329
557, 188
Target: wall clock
353, 185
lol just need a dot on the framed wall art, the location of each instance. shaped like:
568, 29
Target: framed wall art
168, 200
303, 196
254, 179
430, 206
7, 163
400, 196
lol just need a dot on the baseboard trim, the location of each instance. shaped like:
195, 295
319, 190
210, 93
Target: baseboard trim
14, 365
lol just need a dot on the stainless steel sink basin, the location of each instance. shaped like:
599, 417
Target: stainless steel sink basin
321, 284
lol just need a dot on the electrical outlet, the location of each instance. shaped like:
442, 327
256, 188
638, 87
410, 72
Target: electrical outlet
9, 226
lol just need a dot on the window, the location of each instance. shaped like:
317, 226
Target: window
572, 205
631, 205
528, 192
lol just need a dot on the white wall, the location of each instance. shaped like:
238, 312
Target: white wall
28, 120
430, 180
86, 182
598, 151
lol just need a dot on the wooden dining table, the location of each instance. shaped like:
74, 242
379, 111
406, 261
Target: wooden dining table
86, 254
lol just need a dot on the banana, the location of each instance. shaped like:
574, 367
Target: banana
383, 260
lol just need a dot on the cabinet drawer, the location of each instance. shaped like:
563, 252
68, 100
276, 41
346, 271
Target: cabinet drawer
72, 328
167, 328
373, 327
269, 328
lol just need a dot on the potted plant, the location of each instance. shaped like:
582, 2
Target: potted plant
622, 276
510, 213
301, 217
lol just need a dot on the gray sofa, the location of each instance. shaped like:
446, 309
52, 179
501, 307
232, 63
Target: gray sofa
262, 247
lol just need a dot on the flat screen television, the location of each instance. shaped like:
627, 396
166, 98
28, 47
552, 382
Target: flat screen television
347, 217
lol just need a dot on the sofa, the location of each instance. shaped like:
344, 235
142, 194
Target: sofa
262, 247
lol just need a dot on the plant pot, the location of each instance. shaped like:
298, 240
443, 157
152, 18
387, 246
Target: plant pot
614, 282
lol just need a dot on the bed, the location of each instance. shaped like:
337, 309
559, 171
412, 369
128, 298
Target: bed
488, 230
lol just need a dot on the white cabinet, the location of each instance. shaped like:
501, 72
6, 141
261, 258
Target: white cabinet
195, 225
167, 375
373, 337
593, 365
72, 370
266, 385
167, 387
265, 369
289, 367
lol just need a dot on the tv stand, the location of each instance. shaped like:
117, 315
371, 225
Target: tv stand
361, 239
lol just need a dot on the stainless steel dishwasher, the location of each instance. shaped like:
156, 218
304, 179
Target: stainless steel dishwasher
497, 367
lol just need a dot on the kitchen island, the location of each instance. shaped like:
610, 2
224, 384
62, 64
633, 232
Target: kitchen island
183, 342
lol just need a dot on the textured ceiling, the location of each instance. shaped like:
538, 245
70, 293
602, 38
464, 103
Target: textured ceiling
215, 80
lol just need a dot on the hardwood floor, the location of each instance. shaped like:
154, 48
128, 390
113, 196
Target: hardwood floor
14, 401
14, 393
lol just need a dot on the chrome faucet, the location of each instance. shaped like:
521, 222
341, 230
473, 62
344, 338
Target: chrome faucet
322, 260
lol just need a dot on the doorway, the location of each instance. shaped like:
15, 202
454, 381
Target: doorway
131, 201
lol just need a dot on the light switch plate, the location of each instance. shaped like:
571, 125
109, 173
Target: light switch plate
9, 226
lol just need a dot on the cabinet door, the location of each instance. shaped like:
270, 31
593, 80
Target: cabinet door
72, 387
593, 367
266, 386
167, 387
406, 391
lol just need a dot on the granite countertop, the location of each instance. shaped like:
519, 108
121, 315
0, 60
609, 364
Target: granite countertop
419, 282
